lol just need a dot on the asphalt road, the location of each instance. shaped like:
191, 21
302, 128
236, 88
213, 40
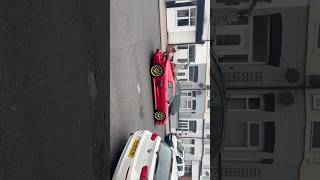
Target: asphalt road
53, 90
134, 35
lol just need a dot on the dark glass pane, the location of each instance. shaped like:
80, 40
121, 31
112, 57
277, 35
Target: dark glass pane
193, 12
192, 53
194, 104
179, 160
254, 135
183, 22
261, 31
229, 39
236, 103
318, 45
193, 73
192, 21
182, 60
316, 135
254, 103
192, 126
182, 47
238, 58
183, 13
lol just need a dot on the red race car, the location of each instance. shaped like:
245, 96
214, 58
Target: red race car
164, 85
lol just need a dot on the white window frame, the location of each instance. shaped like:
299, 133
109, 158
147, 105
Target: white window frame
189, 17
186, 93
246, 44
247, 97
188, 109
183, 1
311, 137
314, 104
188, 52
242, 5
248, 147
187, 101
316, 35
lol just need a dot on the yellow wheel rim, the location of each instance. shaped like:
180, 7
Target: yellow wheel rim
159, 115
156, 70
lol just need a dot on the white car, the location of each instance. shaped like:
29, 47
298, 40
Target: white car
178, 151
145, 157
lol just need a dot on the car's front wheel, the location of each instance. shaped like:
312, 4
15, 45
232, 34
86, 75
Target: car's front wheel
159, 115
157, 70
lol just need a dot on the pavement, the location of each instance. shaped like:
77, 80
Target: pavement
163, 24
164, 38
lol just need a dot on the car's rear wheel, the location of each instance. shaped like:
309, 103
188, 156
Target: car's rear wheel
157, 70
159, 115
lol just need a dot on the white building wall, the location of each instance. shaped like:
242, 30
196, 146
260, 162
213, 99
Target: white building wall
179, 34
195, 170
196, 156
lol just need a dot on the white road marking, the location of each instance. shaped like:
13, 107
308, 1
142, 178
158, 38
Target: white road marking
138, 88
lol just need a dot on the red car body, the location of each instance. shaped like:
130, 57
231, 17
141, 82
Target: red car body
164, 86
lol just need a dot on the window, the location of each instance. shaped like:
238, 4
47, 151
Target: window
181, 74
188, 170
228, 39
317, 37
182, 60
208, 103
188, 93
179, 160
245, 103
192, 53
193, 73
261, 36
189, 150
192, 126
315, 135
243, 135
186, 104
188, 141
207, 150
186, 53
186, 17
316, 101
182, 47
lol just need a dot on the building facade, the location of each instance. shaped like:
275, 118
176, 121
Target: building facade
187, 21
261, 49
310, 167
